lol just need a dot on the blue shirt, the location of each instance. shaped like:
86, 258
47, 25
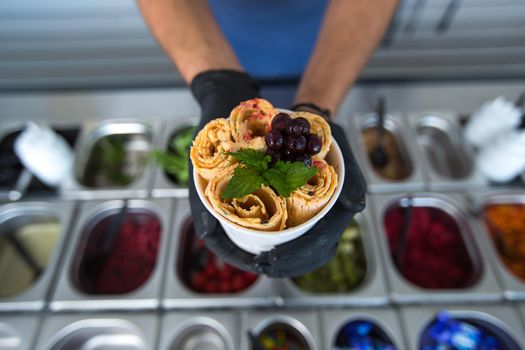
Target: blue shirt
273, 39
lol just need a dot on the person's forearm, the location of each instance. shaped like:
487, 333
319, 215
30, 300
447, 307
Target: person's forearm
190, 35
350, 32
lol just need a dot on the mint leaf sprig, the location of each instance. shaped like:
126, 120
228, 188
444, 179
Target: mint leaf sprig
174, 160
255, 171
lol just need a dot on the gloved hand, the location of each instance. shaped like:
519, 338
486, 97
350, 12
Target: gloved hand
218, 92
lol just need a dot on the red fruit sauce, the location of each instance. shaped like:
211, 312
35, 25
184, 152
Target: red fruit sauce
131, 259
435, 255
203, 272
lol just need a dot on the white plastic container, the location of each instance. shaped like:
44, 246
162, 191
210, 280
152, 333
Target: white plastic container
256, 242
504, 159
491, 120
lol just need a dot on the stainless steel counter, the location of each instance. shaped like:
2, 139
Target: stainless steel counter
164, 311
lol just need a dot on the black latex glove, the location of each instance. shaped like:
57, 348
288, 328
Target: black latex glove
218, 92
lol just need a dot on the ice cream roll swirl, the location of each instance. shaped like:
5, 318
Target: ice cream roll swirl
208, 151
262, 210
308, 200
320, 127
250, 121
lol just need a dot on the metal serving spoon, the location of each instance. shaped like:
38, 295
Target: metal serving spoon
378, 155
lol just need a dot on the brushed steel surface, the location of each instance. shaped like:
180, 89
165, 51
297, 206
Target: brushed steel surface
521, 308
18, 332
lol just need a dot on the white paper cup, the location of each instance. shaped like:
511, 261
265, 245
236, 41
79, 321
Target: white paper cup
254, 241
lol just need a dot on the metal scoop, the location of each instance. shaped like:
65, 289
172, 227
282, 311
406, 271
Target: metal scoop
94, 263
378, 156
399, 251
25, 254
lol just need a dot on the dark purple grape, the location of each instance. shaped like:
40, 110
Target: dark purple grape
305, 159
298, 144
288, 143
303, 124
272, 152
289, 129
286, 155
313, 145
281, 121
274, 140
294, 129
276, 155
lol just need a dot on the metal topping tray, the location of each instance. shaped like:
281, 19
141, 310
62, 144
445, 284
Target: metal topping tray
370, 291
133, 331
306, 323
37, 246
395, 126
16, 181
504, 319
177, 295
486, 288
164, 185
124, 144
68, 295
386, 319
513, 286
448, 161
193, 330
